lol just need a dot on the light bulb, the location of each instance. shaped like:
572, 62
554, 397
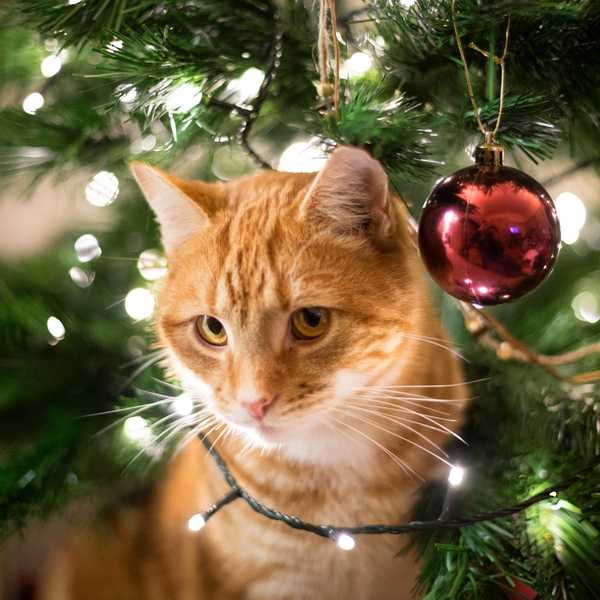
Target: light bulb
183, 98
572, 215
456, 476
51, 65
345, 541
152, 265
139, 304
183, 405
302, 157
102, 189
56, 328
87, 248
32, 103
196, 522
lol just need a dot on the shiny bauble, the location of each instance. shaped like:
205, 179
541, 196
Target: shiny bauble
489, 234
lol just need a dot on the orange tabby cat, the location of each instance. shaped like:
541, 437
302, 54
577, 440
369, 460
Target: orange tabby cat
296, 316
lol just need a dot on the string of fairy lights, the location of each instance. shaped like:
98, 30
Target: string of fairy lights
343, 536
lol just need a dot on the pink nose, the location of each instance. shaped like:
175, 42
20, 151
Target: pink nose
258, 408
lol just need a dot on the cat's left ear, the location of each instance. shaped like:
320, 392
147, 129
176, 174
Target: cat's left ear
350, 194
179, 215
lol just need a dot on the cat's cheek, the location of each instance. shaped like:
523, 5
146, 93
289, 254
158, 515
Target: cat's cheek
346, 382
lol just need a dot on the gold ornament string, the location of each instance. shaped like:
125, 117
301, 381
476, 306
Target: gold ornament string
490, 136
327, 9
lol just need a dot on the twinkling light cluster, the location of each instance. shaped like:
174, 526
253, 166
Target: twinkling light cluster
245, 87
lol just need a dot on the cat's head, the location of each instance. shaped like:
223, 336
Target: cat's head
286, 294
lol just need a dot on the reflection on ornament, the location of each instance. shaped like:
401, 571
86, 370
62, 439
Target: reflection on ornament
488, 233
32, 103
572, 215
56, 328
456, 476
80, 277
139, 304
51, 65
302, 157
103, 189
87, 248
152, 265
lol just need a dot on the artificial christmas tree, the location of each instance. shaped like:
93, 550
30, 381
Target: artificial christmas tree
219, 88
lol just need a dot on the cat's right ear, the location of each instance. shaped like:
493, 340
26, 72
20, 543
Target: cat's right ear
178, 215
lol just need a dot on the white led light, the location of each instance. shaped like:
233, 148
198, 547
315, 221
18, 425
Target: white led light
87, 248
183, 405
345, 541
143, 144
127, 93
302, 157
114, 46
152, 265
456, 476
80, 277
183, 98
136, 429
103, 189
51, 65
586, 307
139, 304
407, 3
32, 103
196, 522
246, 87
572, 215
73, 2
56, 328
358, 64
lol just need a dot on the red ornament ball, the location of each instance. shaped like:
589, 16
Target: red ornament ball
489, 234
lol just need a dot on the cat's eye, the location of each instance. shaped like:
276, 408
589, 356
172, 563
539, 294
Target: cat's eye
211, 330
309, 323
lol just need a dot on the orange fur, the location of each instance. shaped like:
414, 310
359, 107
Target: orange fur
264, 246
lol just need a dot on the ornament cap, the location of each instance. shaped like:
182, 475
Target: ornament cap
489, 154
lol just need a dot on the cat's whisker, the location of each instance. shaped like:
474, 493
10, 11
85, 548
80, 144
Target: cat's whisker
427, 410
388, 452
435, 385
175, 428
402, 423
434, 420
395, 434
425, 340
195, 431
404, 405
144, 406
143, 357
143, 367
404, 419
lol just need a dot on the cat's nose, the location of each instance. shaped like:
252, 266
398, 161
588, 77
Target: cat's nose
258, 408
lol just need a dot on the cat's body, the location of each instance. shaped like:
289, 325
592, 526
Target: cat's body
343, 425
